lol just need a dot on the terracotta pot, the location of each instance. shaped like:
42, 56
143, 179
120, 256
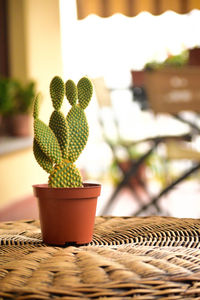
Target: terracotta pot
67, 215
1, 126
138, 78
136, 179
194, 57
17, 125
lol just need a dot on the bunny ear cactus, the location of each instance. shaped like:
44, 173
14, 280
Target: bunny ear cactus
76, 118
56, 147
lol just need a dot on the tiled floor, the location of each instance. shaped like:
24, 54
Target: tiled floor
24, 209
183, 201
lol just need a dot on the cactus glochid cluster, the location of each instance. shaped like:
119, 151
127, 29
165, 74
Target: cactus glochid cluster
56, 147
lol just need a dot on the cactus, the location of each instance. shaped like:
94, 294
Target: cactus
56, 147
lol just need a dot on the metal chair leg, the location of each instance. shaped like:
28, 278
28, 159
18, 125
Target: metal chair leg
133, 169
155, 199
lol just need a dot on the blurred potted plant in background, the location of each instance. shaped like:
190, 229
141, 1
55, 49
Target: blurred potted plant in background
194, 56
178, 60
138, 77
16, 101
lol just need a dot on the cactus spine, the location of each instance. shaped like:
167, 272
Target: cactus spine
56, 147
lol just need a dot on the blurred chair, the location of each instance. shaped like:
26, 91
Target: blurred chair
138, 90
130, 171
175, 91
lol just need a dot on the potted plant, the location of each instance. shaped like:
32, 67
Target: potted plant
67, 206
137, 78
194, 56
16, 101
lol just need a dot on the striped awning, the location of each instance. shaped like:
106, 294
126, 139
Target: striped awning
106, 8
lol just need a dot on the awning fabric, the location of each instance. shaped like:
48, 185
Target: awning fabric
106, 8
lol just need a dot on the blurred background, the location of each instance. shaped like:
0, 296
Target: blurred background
143, 57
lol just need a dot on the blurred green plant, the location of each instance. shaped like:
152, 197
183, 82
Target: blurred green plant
15, 97
171, 61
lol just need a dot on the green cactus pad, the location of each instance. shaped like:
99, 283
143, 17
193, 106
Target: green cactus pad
57, 92
60, 128
85, 90
65, 175
71, 92
78, 128
36, 107
47, 141
41, 158
56, 147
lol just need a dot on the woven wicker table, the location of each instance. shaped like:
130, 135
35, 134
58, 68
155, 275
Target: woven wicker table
139, 258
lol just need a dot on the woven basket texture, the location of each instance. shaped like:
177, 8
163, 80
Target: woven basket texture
129, 258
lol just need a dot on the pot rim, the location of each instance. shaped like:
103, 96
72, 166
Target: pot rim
88, 190
86, 185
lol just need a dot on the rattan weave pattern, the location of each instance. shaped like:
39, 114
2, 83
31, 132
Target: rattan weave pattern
129, 258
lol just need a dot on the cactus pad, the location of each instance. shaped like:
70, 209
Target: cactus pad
60, 128
85, 91
65, 175
56, 147
78, 128
36, 107
41, 158
47, 141
71, 92
57, 92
